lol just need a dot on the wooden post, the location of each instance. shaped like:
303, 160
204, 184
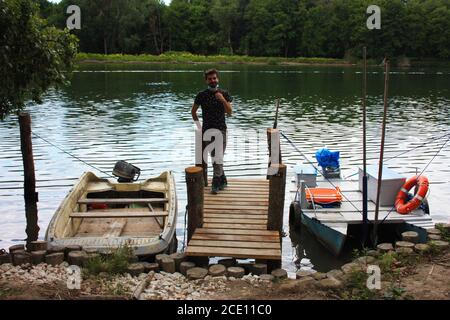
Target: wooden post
273, 134
277, 188
195, 185
30, 194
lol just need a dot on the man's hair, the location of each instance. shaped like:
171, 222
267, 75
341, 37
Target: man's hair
210, 72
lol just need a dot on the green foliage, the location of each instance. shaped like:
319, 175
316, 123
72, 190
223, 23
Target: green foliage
116, 263
33, 56
356, 287
279, 28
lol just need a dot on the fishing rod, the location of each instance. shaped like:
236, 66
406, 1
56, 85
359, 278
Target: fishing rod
383, 138
364, 179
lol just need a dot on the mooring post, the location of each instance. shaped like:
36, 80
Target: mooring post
273, 143
195, 185
30, 194
277, 190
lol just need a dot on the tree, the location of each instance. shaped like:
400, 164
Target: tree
33, 56
225, 13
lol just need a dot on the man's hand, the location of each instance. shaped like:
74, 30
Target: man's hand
219, 96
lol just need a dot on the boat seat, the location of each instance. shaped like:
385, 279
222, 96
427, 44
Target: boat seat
118, 214
122, 201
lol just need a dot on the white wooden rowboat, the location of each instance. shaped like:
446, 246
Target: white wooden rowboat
104, 215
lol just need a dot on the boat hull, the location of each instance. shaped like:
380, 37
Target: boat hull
62, 228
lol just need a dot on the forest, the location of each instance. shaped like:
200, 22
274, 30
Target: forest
275, 28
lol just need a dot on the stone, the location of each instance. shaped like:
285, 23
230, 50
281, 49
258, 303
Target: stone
38, 257
76, 258
445, 226
247, 266
229, 262
178, 257
168, 265
279, 274
259, 269
37, 246
335, 274
304, 273
71, 248
235, 272
159, 257
217, 270
185, 266
196, 273
373, 253
421, 248
135, 269
404, 244
266, 277
319, 275
54, 259
90, 250
434, 231
404, 250
410, 236
56, 249
22, 258
442, 245
148, 267
17, 247
351, 267
330, 283
365, 260
385, 247
434, 237
5, 258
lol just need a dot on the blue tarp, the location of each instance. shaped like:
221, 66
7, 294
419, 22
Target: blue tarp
327, 158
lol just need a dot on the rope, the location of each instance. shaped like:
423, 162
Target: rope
71, 155
312, 164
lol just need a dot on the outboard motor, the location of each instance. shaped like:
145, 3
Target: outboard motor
126, 172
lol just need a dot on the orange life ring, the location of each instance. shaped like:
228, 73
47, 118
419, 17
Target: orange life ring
401, 204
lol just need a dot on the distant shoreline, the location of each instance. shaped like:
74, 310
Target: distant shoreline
188, 58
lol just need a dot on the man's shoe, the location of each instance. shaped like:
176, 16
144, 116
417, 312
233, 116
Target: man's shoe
215, 185
223, 182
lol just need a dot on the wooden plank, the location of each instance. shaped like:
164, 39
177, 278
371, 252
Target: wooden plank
237, 196
268, 254
244, 187
232, 237
116, 228
234, 216
123, 200
118, 214
230, 207
263, 193
234, 203
235, 220
236, 211
234, 244
233, 226
237, 232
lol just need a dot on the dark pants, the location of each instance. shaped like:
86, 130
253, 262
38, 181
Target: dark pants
218, 168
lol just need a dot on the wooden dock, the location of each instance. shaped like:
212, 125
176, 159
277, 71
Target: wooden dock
235, 223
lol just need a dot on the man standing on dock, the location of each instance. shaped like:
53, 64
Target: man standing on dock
215, 103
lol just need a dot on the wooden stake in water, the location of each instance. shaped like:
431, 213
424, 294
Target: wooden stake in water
380, 164
364, 180
30, 194
275, 124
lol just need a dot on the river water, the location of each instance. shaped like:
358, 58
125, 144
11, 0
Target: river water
141, 113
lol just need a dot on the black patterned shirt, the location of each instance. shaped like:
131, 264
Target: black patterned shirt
213, 111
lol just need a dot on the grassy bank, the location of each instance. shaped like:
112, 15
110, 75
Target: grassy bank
185, 57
